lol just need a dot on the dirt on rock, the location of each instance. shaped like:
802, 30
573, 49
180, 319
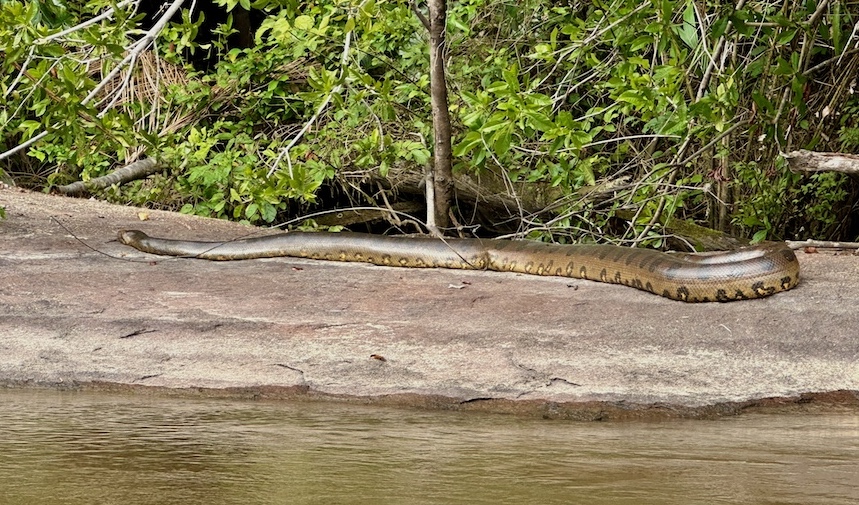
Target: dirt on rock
79, 310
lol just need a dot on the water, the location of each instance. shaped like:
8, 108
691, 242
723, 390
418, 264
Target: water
93, 449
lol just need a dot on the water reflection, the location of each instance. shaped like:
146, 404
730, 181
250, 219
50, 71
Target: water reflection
74, 448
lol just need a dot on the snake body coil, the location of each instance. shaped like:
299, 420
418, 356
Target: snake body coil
752, 272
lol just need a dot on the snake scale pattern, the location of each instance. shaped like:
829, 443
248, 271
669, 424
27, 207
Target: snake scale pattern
751, 272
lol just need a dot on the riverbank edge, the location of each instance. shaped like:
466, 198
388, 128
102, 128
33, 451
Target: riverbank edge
842, 401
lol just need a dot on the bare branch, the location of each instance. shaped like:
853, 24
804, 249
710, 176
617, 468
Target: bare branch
137, 170
822, 244
810, 161
107, 14
136, 48
423, 19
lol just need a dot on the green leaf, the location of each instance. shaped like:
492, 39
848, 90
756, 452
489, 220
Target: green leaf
787, 36
471, 140
687, 31
421, 156
497, 86
268, 212
540, 121
632, 96
303, 22
511, 77
501, 141
455, 22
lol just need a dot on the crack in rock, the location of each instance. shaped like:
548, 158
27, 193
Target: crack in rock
300, 371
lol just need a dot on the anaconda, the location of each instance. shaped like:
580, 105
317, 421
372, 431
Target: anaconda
751, 272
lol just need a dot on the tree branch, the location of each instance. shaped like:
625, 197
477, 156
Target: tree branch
137, 170
423, 19
810, 161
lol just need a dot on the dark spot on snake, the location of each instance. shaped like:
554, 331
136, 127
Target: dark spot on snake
649, 287
722, 296
629, 258
618, 277
786, 282
683, 293
762, 289
583, 272
648, 260
604, 275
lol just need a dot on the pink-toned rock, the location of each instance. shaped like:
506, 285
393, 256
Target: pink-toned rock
299, 328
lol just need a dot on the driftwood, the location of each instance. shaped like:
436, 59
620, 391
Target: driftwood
821, 244
137, 170
810, 161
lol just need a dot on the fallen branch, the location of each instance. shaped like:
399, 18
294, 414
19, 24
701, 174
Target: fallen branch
822, 244
810, 161
137, 170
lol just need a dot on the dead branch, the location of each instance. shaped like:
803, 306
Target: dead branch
810, 161
822, 244
137, 170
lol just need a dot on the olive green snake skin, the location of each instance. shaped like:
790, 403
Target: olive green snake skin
751, 272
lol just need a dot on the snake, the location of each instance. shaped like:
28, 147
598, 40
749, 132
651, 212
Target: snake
745, 273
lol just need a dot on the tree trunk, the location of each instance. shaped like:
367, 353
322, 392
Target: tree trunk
440, 178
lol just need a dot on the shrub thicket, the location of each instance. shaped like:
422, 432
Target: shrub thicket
594, 118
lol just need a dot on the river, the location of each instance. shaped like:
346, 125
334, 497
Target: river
93, 449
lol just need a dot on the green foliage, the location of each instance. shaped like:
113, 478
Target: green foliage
606, 97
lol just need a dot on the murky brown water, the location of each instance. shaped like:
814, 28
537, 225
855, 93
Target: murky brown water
93, 449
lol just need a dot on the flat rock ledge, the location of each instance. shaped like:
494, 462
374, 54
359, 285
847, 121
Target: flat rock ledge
80, 311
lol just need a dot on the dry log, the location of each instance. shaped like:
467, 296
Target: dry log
822, 244
810, 161
137, 170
